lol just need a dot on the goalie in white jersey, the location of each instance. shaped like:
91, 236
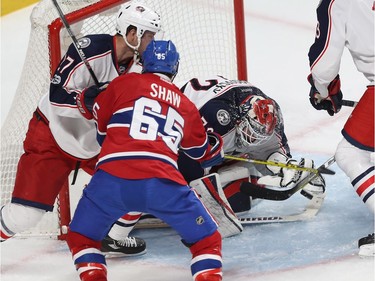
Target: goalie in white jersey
252, 126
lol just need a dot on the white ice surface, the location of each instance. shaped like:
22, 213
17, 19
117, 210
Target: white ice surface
279, 34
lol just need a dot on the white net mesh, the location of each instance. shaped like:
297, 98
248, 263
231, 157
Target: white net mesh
203, 32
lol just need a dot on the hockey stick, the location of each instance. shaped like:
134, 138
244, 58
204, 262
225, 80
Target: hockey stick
75, 42
311, 210
349, 103
280, 164
148, 221
261, 192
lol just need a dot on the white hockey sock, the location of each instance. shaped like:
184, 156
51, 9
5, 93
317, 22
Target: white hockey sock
361, 173
16, 218
121, 229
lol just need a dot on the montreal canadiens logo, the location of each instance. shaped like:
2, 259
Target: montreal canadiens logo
223, 117
84, 42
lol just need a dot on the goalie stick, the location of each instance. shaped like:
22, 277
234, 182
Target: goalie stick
312, 208
270, 193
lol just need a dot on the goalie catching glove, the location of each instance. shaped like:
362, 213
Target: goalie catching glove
86, 99
288, 177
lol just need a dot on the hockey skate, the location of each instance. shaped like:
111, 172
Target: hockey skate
366, 246
130, 246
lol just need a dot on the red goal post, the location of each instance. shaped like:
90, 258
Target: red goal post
209, 35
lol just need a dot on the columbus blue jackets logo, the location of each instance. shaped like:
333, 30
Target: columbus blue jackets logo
84, 42
223, 117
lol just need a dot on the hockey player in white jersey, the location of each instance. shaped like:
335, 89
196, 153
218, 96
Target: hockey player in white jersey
348, 24
59, 137
252, 126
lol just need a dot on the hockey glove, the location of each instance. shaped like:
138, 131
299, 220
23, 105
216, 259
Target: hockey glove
332, 104
216, 154
86, 99
285, 177
316, 186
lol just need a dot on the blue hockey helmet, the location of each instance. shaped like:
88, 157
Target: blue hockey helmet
161, 56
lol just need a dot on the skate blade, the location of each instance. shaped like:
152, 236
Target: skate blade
114, 255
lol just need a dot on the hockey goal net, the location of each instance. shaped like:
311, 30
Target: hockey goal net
209, 36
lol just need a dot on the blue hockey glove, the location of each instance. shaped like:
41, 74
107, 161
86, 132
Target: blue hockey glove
216, 154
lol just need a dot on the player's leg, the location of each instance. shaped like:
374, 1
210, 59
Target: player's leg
99, 207
41, 172
355, 156
16, 218
235, 173
118, 243
194, 224
231, 177
361, 174
88, 259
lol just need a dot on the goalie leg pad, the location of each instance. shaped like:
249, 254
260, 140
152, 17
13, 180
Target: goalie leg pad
212, 196
231, 178
231, 173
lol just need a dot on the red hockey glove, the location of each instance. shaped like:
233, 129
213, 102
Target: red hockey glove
216, 154
86, 99
333, 102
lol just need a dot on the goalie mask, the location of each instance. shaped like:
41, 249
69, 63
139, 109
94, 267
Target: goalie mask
258, 122
140, 16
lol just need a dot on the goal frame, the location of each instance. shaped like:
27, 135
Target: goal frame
71, 18
52, 30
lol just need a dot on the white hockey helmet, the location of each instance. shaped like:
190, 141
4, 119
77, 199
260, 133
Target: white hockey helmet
258, 121
138, 15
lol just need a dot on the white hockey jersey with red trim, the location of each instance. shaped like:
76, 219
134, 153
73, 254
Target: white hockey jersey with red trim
74, 134
343, 23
